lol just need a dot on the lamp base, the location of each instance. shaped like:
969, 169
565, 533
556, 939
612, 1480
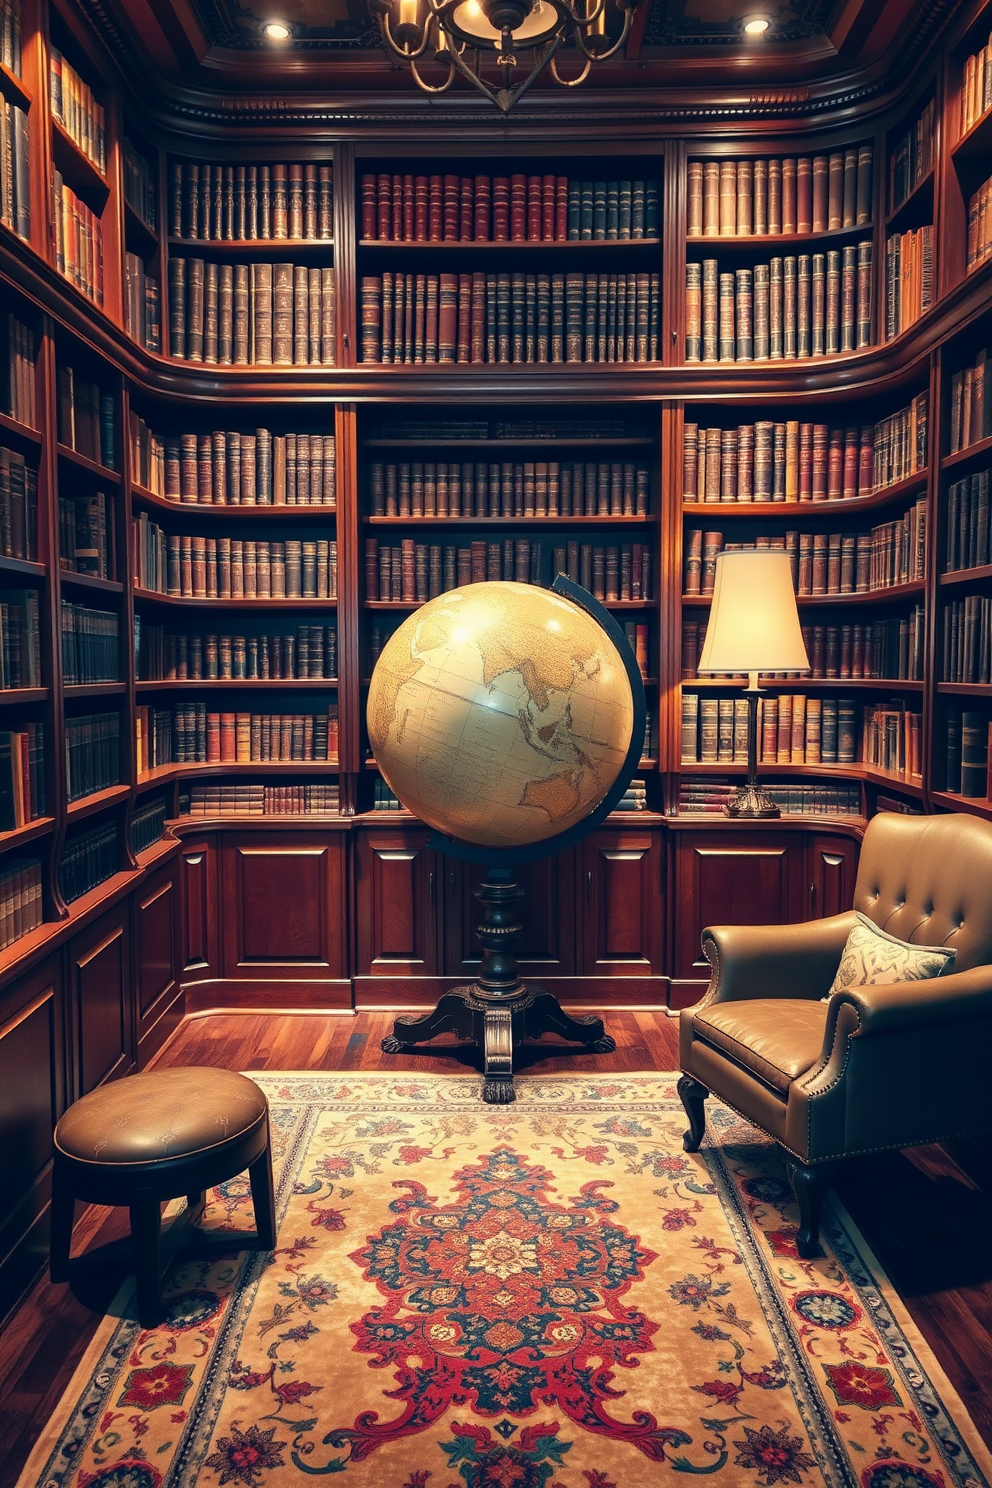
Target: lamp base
753, 803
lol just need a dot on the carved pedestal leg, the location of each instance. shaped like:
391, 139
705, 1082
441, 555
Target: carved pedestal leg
693, 1097
808, 1184
451, 1015
544, 1014
498, 1056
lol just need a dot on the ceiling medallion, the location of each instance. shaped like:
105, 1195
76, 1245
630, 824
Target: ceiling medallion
465, 36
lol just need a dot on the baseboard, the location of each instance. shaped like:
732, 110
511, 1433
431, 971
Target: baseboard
580, 994
230, 995
684, 993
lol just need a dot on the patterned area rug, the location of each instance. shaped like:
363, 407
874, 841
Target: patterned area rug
545, 1295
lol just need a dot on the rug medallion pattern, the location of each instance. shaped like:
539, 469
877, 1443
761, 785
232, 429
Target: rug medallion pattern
547, 1295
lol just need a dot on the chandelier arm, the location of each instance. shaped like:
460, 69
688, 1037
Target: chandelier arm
538, 68
599, 56
571, 82
402, 53
430, 87
474, 78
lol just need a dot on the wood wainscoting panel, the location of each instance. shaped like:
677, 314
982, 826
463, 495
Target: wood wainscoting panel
100, 999
200, 919
284, 906
621, 904
743, 878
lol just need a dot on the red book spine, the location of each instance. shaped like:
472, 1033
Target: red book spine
435, 210
448, 318
451, 208
369, 206
548, 209
409, 205
466, 219
385, 207
535, 202
501, 209
464, 317
518, 208
397, 209
477, 348
483, 198
561, 209
420, 211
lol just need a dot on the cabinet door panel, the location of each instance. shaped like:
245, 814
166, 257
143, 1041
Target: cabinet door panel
833, 868
200, 919
101, 979
283, 910
746, 879
155, 951
397, 905
547, 919
621, 904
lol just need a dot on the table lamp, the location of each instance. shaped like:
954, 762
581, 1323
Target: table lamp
753, 627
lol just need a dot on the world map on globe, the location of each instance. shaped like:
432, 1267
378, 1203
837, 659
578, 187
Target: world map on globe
500, 714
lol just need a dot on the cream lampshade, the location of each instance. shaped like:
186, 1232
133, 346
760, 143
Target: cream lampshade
753, 627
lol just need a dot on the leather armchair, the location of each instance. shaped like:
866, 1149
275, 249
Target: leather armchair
871, 1068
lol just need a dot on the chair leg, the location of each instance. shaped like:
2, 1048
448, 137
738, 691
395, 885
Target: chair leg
693, 1097
194, 1203
63, 1214
146, 1234
808, 1184
263, 1198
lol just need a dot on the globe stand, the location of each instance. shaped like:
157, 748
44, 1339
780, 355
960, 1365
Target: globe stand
497, 1010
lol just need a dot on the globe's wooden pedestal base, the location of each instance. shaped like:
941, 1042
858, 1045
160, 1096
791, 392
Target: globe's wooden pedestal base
497, 1010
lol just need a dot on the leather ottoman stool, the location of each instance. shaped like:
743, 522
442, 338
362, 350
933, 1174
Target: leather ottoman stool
147, 1138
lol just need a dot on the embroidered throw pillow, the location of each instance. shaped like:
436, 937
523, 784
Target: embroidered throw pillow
872, 959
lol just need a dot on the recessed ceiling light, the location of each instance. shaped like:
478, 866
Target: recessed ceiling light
276, 31
756, 25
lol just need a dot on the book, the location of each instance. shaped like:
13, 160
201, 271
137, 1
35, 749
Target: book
258, 314
729, 198
248, 203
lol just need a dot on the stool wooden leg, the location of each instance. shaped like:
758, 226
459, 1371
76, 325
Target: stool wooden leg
63, 1213
146, 1226
263, 1198
194, 1203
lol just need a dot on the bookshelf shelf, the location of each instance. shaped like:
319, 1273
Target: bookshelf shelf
981, 449
90, 582
846, 506
94, 689
73, 457
242, 767
21, 696
559, 521
543, 247
77, 170
915, 208
415, 604
12, 87
240, 684
249, 247
301, 821
748, 242
966, 576
966, 689
891, 595
151, 596
11, 426
22, 568
976, 804
851, 771
139, 234
533, 443
975, 147
804, 684
98, 801
247, 513
30, 832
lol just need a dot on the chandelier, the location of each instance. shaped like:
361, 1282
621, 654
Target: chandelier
466, 35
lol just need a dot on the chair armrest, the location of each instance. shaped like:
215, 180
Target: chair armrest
902, 1006
798, 961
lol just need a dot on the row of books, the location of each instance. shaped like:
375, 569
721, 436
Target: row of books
635, 797
86, 418
824, 562
259, 314
92, 751
142, 304
908, 278
384, 799
968, 541
911, 156
232, 568
78, 242
15, 168
318, 799
90, 856
967, 652
188, 734
20, 900
971, 401
976, 86
227, 468
245, 203
889, 649
22, 776
416, 572
90, 645
20, 651
510, 488
766, 197
148, 822
550, 426
792, 729
86, 534
966, 754
979, 225
637, 639
891, 738
793, 461
18, 398
18, 506
414, 318
518, 208
306, 652
10, 35
812, 304
76, 109
140, 185
824, 798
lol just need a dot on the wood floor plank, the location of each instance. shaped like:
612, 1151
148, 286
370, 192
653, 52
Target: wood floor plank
927, 1217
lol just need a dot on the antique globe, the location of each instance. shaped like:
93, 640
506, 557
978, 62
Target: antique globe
501, 714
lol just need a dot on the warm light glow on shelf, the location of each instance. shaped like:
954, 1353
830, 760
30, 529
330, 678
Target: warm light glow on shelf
276, 31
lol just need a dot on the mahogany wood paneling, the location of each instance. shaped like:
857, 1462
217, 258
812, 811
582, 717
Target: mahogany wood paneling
155, 943
620, 903
832, 867
100, 992
396, 904
200, 958
32, 1097
547, 915
283, 906
740, 878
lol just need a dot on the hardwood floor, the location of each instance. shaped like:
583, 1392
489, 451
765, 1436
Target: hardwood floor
927, 1215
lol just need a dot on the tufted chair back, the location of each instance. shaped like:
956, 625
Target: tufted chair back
928, 879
